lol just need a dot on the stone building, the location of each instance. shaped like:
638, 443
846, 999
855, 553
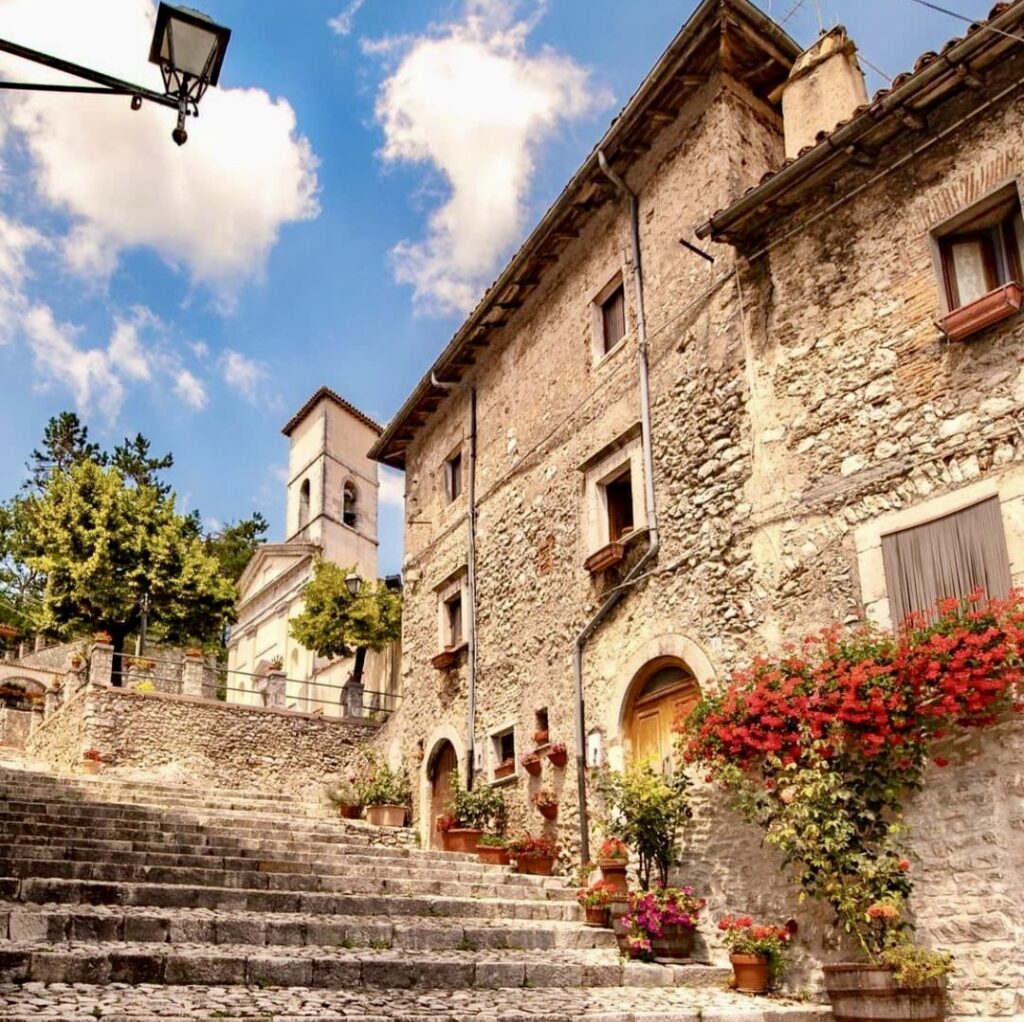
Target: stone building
331, 514
819, 294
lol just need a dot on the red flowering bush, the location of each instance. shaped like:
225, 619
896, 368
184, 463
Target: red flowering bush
614, 848
597, 895
534, 846
821, 746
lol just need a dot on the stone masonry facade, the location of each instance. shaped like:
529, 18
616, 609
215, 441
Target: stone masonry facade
802, 399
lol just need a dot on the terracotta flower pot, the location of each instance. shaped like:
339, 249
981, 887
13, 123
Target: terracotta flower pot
549, 810
385, 816
597, 916
349, 810
462, 839
675, 942
492, 855
867, 992
532, 767
504, 770
535, 865
751, 973
91, 766
613, 872
559, 758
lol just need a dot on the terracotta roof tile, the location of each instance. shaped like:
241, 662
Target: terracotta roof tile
330, 395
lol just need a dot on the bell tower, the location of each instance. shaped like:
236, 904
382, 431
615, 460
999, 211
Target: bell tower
332, 483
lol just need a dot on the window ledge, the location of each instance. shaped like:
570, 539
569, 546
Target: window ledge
607, 557
610, 354
448, 657
505, 782
992, 308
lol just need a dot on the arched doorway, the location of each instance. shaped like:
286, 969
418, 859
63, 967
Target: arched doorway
443, 774
663, 691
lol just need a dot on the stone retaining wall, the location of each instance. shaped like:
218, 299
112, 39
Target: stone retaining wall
200, 742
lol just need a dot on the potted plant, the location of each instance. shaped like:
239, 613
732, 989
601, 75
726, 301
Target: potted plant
505, 768
647, 810
276, 664
595, 900
532, 764
540, 736
472, 813
102, 638
77, 661
194, 653
546, 802
384, 792
756, 952
92, 759
557, 754
534, 855
492, 849
613, 859
345, 796
661, 922
831, 739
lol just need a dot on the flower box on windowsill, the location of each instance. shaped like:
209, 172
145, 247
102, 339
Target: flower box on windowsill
447, 658
605, 558
997, 305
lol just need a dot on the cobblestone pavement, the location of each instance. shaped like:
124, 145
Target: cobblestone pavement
115, 1002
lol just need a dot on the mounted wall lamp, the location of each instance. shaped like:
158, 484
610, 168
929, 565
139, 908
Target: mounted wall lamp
188, 47
353, 583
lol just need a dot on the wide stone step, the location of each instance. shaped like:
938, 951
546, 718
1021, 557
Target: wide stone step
201, 926
288, 965
274, 1004
48, 891
274, 879
64, 861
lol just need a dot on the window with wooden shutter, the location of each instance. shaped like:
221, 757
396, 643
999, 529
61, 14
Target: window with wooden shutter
453, 476
613, 318
949, 557
619, 499
453, 613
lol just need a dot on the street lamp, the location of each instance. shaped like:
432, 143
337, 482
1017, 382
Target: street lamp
353, 583
188, 47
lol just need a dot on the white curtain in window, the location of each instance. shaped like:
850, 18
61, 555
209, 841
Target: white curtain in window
969, 263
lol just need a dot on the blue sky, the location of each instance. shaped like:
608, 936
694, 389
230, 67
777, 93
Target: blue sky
342, 197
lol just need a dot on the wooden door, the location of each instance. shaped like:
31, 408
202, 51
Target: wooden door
651, 734
443, 781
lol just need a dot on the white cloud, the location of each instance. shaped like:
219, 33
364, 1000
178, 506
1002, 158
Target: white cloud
242, 374
189, 389
16, 241
469, 100
87, 373
342, 24
214, 207
392, 487
125, 351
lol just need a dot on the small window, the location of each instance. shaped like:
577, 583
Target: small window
304, 504
613, 318
453, 619
348, 504
618, 496
504, 745
453, 476
948, 557
983, 253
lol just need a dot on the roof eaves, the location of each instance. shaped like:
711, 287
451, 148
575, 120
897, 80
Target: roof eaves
330, 395
928, 68
625, 121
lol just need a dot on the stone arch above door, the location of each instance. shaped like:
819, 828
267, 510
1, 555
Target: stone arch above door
637, 672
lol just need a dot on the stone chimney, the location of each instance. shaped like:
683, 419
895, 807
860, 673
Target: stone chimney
824, 87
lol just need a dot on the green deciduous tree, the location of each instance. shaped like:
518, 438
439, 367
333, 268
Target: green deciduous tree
234, 545
102, 542
335, 623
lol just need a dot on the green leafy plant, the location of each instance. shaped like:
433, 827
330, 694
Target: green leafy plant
916, 966
377, 784
533, 846
145, 688
597, 895
646, 809
344, 791
492, 841
483, 808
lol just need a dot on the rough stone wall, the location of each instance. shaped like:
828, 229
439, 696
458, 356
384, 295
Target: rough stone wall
795, 398
201, 743
62, 738
16, 726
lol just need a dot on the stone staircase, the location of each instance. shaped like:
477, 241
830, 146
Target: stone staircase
129, 900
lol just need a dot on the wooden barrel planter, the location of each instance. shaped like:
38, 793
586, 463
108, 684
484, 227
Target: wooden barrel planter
751, 973
462, 839
675, 942
597, 916
867, 993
